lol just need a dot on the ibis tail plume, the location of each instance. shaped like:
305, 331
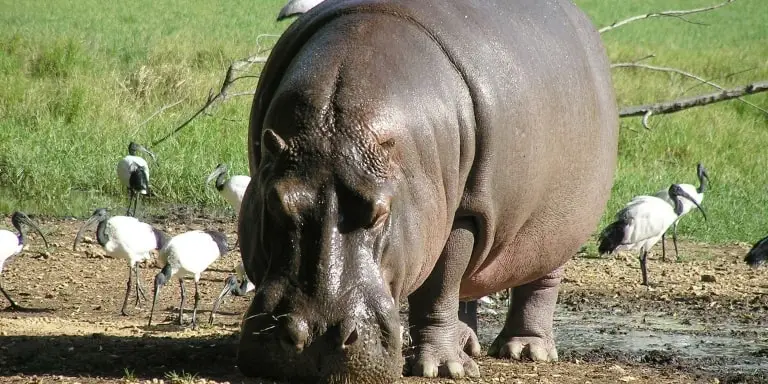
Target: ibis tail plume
125, 237
11, 244
642, 222
758, 255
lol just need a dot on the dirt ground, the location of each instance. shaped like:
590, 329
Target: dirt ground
704, 320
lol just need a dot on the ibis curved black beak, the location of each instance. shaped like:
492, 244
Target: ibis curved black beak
24, 219
85, 226
684, 194
220, 169
147, 151
229, 285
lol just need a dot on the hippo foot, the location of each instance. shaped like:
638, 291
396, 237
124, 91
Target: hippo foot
524, 347
446, 356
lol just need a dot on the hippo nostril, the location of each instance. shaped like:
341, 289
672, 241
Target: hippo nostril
351, 338
295, 334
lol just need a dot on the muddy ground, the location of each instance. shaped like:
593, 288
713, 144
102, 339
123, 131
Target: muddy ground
705, 319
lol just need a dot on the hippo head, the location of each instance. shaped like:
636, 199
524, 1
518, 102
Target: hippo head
314, 233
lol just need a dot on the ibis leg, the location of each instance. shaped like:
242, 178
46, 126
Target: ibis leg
130, 201
136, 204
139, 287
181, 307
194, 311
644, 267
127, 291
663, 247
7, 296
674, 239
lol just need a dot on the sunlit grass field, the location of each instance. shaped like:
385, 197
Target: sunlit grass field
80, 76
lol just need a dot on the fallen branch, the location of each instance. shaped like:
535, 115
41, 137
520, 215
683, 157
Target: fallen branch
684, 73
697, 101
229, 79
678, 14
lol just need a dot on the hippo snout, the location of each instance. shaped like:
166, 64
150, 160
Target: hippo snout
294, 334
354, 346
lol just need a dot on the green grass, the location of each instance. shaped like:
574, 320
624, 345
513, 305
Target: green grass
183, 378
79, 76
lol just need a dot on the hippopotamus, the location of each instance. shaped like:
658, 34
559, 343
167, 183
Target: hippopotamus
430, 151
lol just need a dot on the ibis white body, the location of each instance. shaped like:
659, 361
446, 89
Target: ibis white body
128, 238
189, 254
646, 219
128, 165
9, 246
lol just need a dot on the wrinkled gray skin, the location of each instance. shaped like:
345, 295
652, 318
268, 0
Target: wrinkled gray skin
430, 150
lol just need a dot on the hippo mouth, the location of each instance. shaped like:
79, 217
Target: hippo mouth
370, 354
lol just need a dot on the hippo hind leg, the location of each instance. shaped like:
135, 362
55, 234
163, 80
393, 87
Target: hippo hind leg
443, 345
527, 333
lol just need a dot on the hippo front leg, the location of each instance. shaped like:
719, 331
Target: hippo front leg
528, 329
444, 345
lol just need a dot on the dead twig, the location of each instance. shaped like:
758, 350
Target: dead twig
677, 14
159, 111
684, 73
696, 101
229, 80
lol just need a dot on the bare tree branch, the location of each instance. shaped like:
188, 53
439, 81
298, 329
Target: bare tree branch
697, 101
223, 94
677, 14
684, 73
159, 111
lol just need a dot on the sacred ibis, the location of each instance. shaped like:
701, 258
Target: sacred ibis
128, 238
232, 189
698, 196
238, 284
642, 222
133, 172
11, 245
758, 254
188, 255
297, 7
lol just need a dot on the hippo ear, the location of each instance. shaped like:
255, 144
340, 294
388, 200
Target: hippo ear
273, 143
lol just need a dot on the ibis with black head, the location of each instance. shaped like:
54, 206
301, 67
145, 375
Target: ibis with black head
642, 222
128, 238
237, 284
133, 172
188, 255
11, 244
697, 193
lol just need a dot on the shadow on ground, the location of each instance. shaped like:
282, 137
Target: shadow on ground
105, 356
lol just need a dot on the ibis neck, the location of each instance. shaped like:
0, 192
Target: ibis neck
101, 235
17, 225
678, 205
220, 180
241, 289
